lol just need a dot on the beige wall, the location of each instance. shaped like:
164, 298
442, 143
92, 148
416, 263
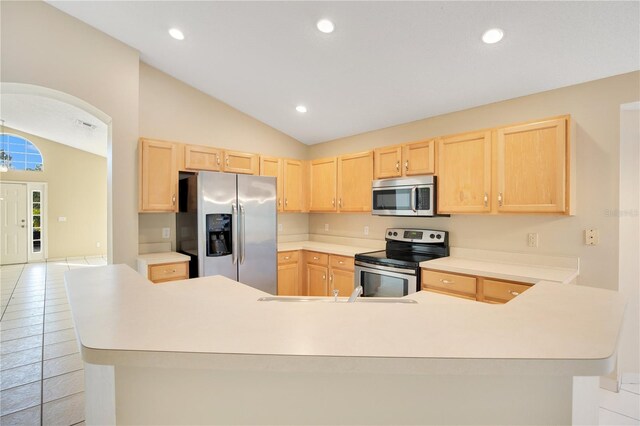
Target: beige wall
172, 110
44, 47
77, 190
594, 108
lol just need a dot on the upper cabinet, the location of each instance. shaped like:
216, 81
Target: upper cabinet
522, 168
241, 162
417, 158
464, 173
198, 157
532, 167
272, 166
293, 185
355, 173
323, 185
158, 176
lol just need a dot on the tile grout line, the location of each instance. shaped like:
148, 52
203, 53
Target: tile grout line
618, 413
56, 375
12, 291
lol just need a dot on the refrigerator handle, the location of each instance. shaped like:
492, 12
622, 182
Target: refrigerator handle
242, 236
234, 235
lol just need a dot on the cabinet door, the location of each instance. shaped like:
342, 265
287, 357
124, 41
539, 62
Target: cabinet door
202, 158
532, 167
240, 162
158, 188
419, 158
464, 173
293, 178
288, 279
355, 173
323, 185
271, 166
387, 162
343, 281
317, 280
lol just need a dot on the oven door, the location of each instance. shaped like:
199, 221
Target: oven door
385, 281
410, 200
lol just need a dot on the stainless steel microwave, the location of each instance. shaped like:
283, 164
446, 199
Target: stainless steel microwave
411, 196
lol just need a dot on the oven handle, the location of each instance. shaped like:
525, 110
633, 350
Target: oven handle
393, 272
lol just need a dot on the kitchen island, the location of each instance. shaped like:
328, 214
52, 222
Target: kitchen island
206, 351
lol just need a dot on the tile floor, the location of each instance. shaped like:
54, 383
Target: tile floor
41, 374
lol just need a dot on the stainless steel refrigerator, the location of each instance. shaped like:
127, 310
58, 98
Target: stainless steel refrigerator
231, 220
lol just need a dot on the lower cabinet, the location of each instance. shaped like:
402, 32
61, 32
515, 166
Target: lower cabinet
288, 274
472, 287
325, 273
163, 272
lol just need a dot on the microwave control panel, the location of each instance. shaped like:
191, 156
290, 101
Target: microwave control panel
416, 235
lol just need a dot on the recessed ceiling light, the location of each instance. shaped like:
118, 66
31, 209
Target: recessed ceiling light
325, 25
176, 33
493, 35
301, 108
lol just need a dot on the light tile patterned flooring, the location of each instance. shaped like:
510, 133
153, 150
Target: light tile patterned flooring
41, 374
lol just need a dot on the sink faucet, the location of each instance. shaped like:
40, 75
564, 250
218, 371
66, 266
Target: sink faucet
356, 292
335, 295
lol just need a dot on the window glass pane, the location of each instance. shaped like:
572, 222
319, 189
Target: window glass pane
36, 234
36, 196
18, 153
36, 221
36, 246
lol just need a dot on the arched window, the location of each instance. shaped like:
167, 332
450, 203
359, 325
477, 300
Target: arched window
17, 153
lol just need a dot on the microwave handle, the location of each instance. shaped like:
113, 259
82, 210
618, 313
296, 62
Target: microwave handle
414, 192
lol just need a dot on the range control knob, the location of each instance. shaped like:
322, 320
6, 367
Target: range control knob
432, 236
395, 234
389, 233
439, 236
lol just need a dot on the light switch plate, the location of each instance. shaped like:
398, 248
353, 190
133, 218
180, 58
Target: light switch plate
366, 230
62, 219
532, 239
591, 237
166, 232
326, 226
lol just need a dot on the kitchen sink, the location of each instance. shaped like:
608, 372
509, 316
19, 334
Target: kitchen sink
290, 299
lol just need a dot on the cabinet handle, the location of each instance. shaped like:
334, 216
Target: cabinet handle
331, 278
286, 202
279, 202
397, 166
341, 262
340, 202
443, 281
333, 202
173, 199
406, 165
324, 277
486, 199
499, 199
218, 159
166, 271
286, 258
513, 293
227, 161
316, 258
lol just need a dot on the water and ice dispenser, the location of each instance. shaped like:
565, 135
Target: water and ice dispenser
218, 234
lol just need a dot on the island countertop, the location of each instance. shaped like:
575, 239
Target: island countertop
550, 328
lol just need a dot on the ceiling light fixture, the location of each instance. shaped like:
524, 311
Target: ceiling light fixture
301, 108
325, 25
176, 33
493, 35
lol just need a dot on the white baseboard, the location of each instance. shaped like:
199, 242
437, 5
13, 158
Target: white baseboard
630, 378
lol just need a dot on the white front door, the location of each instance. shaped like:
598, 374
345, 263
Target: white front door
13, 228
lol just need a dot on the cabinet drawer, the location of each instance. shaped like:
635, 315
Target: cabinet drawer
317, 258
341, 262
168, 272
449, 282
287, 257
501, 291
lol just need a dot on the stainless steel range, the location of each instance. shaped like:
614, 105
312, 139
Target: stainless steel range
395, 272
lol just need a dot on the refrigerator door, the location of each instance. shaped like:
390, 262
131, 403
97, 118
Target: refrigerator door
216, 195
257, 223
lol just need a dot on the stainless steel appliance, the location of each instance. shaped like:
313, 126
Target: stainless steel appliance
227, 223
411, 196
395, 271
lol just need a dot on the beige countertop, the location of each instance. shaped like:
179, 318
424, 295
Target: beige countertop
551, 328
165, 257
322, 247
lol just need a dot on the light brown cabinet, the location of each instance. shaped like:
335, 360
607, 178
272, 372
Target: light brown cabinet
198, 157
288, 274
472, 287
532, 167
417, 158
464, 173
323, 185
294, 180
241, 162
327, 272
164, 272
341, 275
317, 280
355, 173
272, 166
158, 176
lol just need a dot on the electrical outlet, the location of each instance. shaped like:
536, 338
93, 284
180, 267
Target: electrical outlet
62, 219
591, 237
366, 230
166, 232
279, 227
98, 244
326, 226
532, 239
